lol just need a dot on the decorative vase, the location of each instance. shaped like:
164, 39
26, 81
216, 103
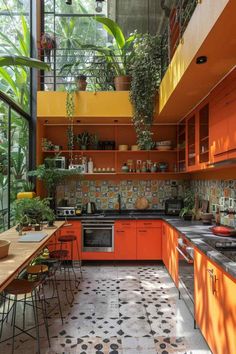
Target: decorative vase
122, 83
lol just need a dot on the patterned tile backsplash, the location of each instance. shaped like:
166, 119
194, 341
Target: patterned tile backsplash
220, 193
105, 193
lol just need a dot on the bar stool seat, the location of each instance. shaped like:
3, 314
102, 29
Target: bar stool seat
37, 269
59, 254
21, 287
67, 238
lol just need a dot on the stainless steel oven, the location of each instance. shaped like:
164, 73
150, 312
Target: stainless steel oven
186, 272
98, 235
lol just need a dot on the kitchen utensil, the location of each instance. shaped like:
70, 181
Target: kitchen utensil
141, 203
4, 248
91, 208
223, 231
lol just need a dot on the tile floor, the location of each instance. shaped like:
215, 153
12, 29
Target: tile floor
120, 310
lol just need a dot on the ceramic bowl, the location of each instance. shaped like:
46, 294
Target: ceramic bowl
4, 248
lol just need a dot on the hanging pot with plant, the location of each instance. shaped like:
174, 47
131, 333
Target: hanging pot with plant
81, 82
145, 72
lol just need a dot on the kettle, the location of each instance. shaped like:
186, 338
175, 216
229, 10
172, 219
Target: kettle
91, 208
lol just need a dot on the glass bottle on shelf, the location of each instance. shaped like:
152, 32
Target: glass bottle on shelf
138, 165
144, 168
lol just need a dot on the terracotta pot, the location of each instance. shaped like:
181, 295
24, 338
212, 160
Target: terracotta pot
82, 84
122, 83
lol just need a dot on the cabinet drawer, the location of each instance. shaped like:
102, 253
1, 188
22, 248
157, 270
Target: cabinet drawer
125, 224
149, 223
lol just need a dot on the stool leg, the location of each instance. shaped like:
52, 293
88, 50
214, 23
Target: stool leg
36, 319
24, 306
58, 297
72, 265
13, 324
79, 257
3, 314
44, 313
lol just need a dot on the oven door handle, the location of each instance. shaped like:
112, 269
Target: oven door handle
97, 228
190, 261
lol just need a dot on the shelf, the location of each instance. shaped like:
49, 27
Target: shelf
107, 151
205, 152
205, 138
181, 161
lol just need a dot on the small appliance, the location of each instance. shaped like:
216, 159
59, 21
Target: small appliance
91, 208
66, 211
58, 162
173, 206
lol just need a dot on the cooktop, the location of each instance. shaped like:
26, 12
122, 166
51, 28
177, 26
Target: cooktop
226, 246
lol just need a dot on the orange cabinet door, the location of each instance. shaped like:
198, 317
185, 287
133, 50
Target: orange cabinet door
164, 246
125, 241
173, 255
208, 295
229, 308
149, 243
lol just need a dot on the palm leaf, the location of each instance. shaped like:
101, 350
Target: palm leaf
14, 60
113, 29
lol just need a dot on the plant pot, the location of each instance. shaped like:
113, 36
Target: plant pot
37, 227
187, 217
122, 83
50, 223
83, 147
82, 84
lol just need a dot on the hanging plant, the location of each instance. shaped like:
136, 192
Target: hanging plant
70, 104
145, 71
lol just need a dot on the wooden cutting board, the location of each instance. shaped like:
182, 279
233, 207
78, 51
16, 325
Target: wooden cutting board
141, 203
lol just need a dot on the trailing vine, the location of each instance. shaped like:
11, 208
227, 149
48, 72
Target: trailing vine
145, 71
70, 104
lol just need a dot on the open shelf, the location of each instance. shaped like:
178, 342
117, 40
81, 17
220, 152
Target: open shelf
107, 151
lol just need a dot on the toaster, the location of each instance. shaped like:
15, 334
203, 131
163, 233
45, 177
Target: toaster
173, 206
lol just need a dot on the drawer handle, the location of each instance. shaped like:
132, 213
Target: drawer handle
120, 231
142, 231
213, 280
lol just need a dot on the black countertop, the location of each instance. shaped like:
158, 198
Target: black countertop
194, 231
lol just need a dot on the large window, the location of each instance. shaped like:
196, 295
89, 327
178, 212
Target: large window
15, 39
14, 158
72, 26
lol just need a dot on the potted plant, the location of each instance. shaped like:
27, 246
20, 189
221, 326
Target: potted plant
187, 212
83, 140
81, 82
145, 72
94, 141
118, 55
32, 211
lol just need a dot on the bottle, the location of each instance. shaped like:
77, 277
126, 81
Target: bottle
90, 165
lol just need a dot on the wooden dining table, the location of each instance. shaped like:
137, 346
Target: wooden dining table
21, 253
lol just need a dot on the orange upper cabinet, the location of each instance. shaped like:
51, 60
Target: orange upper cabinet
222, 130
149, 243
203, 135
125, 240
215, 305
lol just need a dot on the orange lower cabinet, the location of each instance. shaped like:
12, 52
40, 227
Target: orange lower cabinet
229, 307
98, 256
164, 246
149, 243
125, 240
209, 299
172, 254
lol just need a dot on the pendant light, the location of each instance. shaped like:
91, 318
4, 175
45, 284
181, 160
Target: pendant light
99, 5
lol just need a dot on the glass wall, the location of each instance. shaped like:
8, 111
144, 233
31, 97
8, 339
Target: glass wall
73, 26
15, 39
14, 160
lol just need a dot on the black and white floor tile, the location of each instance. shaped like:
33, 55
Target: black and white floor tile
120, 310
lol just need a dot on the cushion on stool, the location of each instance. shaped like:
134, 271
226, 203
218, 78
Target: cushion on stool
21, 287
37, 269
67, 238
59, 254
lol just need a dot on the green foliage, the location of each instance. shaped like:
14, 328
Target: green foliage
70, 104
189, 201
32, 211
145, 81
120, 53
14, 60
83, 139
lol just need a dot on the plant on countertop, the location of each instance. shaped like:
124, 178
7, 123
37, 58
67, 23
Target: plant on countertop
188, 211
32, 211
145, 72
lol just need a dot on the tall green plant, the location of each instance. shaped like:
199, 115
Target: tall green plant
118, 54
145, 72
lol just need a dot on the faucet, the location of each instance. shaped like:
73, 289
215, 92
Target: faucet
119, 203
